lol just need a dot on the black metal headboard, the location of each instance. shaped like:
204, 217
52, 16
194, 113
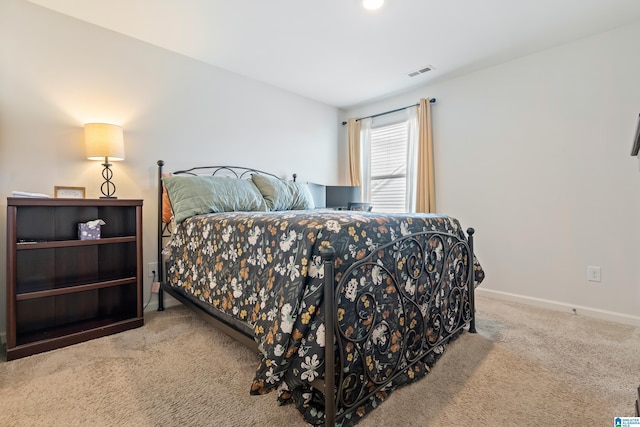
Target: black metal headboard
230, 171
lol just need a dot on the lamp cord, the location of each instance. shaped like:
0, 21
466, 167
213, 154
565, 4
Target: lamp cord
150, 293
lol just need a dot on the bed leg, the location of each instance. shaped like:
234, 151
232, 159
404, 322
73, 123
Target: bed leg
160, 265
328, 255
472, 283
160, 300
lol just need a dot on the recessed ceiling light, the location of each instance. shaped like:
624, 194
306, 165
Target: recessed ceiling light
372, 4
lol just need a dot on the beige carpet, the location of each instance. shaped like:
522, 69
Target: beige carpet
526, 367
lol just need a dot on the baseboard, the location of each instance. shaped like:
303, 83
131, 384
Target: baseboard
595, 313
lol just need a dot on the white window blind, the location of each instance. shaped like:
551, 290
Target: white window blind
389, 167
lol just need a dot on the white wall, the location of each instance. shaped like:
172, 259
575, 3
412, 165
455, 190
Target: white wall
57, 73
535, 154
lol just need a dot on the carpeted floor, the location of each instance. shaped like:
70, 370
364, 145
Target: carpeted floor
527, 366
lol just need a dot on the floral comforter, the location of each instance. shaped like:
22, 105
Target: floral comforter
265, 269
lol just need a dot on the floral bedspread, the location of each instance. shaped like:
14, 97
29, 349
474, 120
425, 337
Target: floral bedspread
264, 268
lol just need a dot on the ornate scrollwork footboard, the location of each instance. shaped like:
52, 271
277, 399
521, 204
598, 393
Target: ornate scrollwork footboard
395, 307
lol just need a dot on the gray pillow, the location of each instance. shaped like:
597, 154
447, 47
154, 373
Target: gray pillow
282, 195
195, 195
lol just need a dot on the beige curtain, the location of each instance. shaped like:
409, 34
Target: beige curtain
353, 140
425, 189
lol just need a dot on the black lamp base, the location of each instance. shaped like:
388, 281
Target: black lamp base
107, 188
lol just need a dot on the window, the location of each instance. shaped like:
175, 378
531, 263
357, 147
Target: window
389, 161
388, 182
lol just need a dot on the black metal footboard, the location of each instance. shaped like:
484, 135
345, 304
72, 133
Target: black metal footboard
408, 298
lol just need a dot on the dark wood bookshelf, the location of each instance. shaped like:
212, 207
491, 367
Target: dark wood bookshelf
62, 290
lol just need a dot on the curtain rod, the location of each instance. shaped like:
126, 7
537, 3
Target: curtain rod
431, 101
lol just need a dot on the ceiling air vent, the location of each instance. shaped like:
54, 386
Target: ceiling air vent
420, 71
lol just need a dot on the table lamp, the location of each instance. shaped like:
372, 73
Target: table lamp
104, 142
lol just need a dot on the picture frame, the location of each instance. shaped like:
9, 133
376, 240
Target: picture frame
64, 192
636, 141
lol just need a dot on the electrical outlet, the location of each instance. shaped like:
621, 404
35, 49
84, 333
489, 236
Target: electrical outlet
153, 266
593, 274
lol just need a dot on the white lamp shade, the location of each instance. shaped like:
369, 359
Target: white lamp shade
103, 140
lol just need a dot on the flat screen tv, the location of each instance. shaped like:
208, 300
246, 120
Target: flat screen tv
339, 196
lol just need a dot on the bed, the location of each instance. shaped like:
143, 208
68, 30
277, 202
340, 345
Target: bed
278, 275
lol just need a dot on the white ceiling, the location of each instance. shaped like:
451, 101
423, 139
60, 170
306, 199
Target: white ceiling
338, 53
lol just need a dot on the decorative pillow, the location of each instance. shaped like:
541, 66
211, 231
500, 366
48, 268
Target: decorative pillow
167, 213
283, 195
195, 195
